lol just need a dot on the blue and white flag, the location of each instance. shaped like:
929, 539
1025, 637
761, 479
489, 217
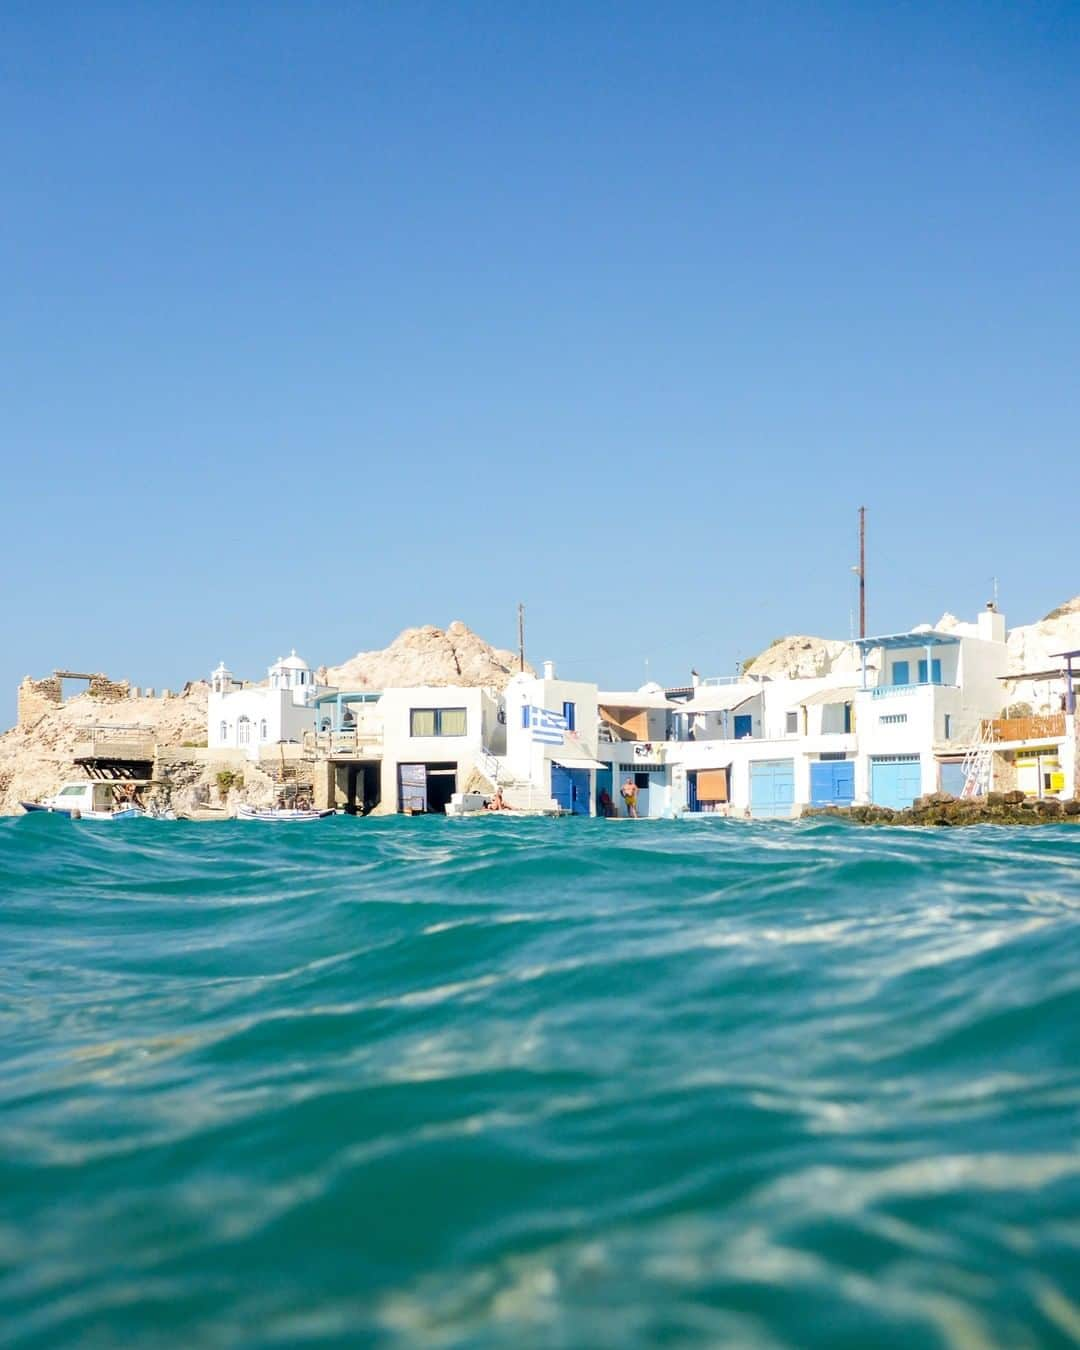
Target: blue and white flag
545, 726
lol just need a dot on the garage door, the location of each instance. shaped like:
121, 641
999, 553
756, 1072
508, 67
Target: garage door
832, 783
895, 780
953, 777
772, 787
570, 788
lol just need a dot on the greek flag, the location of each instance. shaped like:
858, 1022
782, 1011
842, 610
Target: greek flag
546, 726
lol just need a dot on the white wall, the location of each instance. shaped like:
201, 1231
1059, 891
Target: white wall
528, 759
399, 746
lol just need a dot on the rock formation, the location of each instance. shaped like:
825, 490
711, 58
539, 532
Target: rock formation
37, 756
802, 657
1036, 645
426, 655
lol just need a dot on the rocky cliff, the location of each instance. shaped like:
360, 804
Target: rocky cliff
426, 655
802, 657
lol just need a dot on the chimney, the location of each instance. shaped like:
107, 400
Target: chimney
991, 624
695, 678
549, 670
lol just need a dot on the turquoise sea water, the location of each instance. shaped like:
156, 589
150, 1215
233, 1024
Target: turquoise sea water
551, 1083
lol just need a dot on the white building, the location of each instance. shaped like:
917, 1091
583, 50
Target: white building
433, 737
900, 727
254, 717
552, 728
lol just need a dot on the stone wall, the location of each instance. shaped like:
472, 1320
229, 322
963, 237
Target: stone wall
36, 697
1004, 771
106, 690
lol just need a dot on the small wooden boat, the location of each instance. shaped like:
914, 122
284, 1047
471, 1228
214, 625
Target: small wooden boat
281, 813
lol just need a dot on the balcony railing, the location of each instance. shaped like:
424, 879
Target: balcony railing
1049, 728
892, 690
344, 742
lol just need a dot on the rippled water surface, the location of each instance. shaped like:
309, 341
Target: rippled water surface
554, 1083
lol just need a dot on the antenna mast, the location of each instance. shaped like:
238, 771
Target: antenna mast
862, 571
521, 637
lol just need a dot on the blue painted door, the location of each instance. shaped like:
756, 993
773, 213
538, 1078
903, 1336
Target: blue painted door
744, 725
895, 780
772, 787
952, 778
935, 672
832, 783
570, 788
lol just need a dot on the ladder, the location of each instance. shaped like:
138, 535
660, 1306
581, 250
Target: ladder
977, 763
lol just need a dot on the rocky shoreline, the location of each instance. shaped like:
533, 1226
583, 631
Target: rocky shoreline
939, 808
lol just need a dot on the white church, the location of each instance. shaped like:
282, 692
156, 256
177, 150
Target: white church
256, 716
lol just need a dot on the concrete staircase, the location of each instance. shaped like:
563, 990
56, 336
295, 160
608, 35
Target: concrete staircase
518, 793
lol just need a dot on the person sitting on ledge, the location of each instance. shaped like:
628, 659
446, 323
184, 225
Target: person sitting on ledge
496, 803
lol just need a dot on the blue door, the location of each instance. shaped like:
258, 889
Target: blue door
895, 780
570, 788
744, 725
953, 778
832, 783
772, 787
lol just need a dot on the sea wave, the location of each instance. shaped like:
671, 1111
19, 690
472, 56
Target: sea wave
505, 1081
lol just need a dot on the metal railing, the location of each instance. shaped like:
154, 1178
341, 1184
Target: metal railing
893, 690
344, 742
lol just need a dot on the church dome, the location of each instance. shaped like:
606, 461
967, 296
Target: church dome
291, 662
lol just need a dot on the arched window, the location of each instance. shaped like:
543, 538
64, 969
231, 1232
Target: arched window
243, 731
223, 731
324, 725
262, 730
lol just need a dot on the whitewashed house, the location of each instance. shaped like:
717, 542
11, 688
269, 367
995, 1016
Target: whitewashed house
903, 724
255, 717
551, 743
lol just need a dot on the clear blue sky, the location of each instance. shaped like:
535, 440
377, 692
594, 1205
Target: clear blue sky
319, 321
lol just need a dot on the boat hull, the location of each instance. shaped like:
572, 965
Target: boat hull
279, 816
124, 813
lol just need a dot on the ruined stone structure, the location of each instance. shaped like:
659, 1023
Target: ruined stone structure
39, 696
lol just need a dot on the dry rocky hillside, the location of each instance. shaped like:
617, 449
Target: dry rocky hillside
38, 756
427, 656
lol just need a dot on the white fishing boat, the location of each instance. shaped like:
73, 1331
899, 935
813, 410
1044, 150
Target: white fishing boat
112, 800
280, 813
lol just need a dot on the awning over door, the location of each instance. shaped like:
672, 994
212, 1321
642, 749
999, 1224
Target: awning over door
840, 693
723, 698
568, 762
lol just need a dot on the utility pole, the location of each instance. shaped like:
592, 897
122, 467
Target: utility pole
521, 638
862, 571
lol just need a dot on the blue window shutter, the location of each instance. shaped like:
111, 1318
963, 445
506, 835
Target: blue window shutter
935, 671
901, 673
568, 713
525, 717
